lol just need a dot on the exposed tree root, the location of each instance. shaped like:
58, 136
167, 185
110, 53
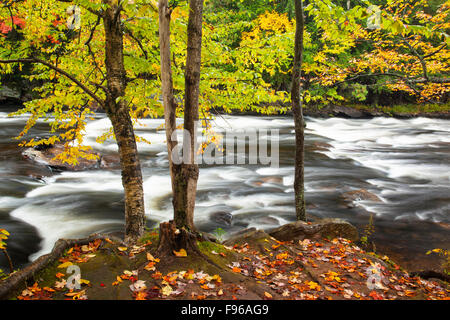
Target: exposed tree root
16, 279
173, 239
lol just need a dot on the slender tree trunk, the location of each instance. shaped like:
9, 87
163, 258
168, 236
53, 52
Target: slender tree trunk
299, 183
185, 176
118, 113
168, 96
180, 233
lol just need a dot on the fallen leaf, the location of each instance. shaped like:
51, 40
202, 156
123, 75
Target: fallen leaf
167, 290
65, 265
138, 285
268, 295
181, 253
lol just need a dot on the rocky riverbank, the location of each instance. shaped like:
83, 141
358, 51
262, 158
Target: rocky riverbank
296, 261
367, 112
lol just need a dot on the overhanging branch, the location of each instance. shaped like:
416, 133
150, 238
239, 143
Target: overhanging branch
60, 71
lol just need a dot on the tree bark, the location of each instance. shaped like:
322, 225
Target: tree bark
297, 109
169, 100
117, 111
186, 176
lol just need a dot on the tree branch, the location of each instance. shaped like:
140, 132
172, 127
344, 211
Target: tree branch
88, 44
418, 56
141, 46
62, 72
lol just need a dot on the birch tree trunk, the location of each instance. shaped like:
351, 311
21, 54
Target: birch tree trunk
299, 183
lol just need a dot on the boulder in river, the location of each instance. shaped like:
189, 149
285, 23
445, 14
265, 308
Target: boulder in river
222, 218
325, 228
45, 155
358, 195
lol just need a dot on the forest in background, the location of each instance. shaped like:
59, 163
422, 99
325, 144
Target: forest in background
248, 48
222, 57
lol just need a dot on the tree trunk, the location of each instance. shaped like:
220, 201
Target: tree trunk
297, 109
173, 239
118, 113
169, 104
185, 175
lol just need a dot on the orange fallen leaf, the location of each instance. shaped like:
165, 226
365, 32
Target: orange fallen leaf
236, 269
181, 253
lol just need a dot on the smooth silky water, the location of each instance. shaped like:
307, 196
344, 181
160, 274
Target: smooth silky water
404, 162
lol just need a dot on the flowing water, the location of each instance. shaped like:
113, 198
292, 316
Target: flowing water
405, 163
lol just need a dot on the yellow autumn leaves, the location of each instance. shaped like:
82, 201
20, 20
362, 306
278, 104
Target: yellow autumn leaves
3, 236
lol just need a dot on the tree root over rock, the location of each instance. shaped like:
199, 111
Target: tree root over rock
172, 239
19, 278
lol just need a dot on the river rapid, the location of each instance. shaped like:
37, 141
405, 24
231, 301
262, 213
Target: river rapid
405, 163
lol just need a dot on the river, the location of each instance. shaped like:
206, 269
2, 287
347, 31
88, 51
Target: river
405, 163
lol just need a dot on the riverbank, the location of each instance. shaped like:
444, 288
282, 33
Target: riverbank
366, 112
351, 111
251, 265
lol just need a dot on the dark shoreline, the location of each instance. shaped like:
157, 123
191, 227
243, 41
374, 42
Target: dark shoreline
330, 111
348, 112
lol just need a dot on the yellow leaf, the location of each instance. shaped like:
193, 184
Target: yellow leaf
151, 258
75, 294
313, 285
84, 281
181, 253
122, 248
167, 290
65, 265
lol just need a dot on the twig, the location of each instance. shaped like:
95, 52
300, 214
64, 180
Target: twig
11, 268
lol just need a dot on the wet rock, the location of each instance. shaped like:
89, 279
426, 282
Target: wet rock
444, 225
8, 94
276, 180
357, 195
325, 228
110, 161
222, 218
311, 206
320, 146
269, 221
45, 154
337, 111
